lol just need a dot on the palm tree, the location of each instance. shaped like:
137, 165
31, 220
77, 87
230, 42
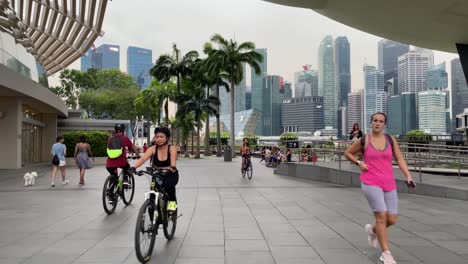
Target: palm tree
193, 102
231, 55
217, 75
149, 103
172, 66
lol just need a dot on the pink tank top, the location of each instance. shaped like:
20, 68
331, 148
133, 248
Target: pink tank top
380, 169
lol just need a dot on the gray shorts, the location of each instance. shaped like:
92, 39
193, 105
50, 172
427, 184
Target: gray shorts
379, 200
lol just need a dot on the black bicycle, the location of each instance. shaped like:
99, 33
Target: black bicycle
115, 188
248, 168
152, 214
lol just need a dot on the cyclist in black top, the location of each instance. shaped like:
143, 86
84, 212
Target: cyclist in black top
164, 156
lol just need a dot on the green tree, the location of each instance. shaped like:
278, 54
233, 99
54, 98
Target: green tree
114, 78
68, 89
231, 55
193, 101
214, 68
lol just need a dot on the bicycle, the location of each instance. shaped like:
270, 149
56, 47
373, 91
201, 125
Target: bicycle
114, 189
248, 168
152, 214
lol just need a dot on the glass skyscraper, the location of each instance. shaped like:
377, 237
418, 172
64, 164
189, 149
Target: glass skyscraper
431, 115
110, 56
139, 63
389, 51
273, 96
343, 72
402, 116
257, 86
91, 59
459, 90
437, 77
327, 87
374, 94
306, 82
239, 94
354, 109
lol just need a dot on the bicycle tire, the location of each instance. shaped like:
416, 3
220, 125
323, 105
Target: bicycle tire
147, 209
169, 222
131, 181
249, 170
109, 189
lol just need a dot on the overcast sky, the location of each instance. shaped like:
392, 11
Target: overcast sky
291, 35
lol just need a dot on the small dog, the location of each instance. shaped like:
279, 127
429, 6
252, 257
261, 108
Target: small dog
30, 178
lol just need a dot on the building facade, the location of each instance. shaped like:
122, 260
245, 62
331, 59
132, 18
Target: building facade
139, 63
306, 82
257, 85
248, 98
355, 109
273, 96
401, 113
239, 96
343, 68
91, 60
327, 86
110, 56
431, 115
374, 94
459, 93
388, 53
302, 114
245, 122
412, 71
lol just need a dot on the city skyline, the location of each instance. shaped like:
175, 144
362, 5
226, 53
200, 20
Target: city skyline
286, 54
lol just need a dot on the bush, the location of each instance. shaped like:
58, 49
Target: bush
224, 138
419, 136
252, 140
96, 139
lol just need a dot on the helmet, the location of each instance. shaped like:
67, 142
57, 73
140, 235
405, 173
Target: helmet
119, 128
164, 130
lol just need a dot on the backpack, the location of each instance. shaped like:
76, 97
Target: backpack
115, 147
55, 160
363, 143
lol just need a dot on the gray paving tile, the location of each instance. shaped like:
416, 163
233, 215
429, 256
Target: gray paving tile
249, 257
190, 251
246, 245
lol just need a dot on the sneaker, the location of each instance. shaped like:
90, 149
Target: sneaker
387, 258
65, 182
52, 184
172, 206
371, 237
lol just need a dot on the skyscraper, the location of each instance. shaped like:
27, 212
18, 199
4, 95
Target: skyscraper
273, 96
110, 56
139, 63
402, 116
287, 89
389, 51
343, 70
239, 96
412, 71
327, 87
354, 109
459, 90
306, 82
257, 83
248, 98
437, 77
374, 94
431, 115
91, 59
301, 114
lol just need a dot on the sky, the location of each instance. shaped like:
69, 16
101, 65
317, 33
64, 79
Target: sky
291, 35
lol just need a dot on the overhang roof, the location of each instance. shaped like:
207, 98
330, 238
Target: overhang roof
432, 24
55, 32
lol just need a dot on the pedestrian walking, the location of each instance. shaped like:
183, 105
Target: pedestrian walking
356, 133
82, 157
145, 148
60, 150
378, 181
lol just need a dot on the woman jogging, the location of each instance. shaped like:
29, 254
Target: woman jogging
378, 182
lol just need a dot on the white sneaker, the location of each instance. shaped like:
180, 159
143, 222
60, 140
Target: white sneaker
65, 182
371, 237
387, 258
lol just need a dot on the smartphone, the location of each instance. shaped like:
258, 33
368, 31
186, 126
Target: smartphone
411, 184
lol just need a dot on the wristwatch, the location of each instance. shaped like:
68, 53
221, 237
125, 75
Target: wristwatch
358, 162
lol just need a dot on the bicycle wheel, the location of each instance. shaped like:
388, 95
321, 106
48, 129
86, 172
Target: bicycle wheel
145, 233
169, 222
109, 196
128, 192
249, 169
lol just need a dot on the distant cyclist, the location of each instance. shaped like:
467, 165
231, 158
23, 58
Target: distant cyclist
116, 154
164, 156
245, 151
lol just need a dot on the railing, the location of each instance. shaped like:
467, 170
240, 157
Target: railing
417, 155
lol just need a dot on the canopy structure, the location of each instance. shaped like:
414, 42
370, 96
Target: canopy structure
55, 32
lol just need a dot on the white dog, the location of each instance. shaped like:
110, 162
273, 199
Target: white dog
30, 178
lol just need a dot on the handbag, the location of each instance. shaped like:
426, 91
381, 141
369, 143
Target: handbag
89, 163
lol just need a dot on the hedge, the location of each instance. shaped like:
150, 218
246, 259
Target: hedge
96, 139
224, 138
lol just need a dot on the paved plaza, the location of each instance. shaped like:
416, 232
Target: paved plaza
225, 219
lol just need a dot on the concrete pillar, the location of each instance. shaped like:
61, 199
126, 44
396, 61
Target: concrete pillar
49, 135
11, 120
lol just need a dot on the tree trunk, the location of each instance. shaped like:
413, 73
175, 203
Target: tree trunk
177, 106
192, 142
218, 126
207, 128
197, 154
148, 134
233, 138
166, 111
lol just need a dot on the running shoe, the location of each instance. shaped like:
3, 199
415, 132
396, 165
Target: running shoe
371, 237
172, 206
387, 258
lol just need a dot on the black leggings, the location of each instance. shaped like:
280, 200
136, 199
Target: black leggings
113, 170
169, 184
